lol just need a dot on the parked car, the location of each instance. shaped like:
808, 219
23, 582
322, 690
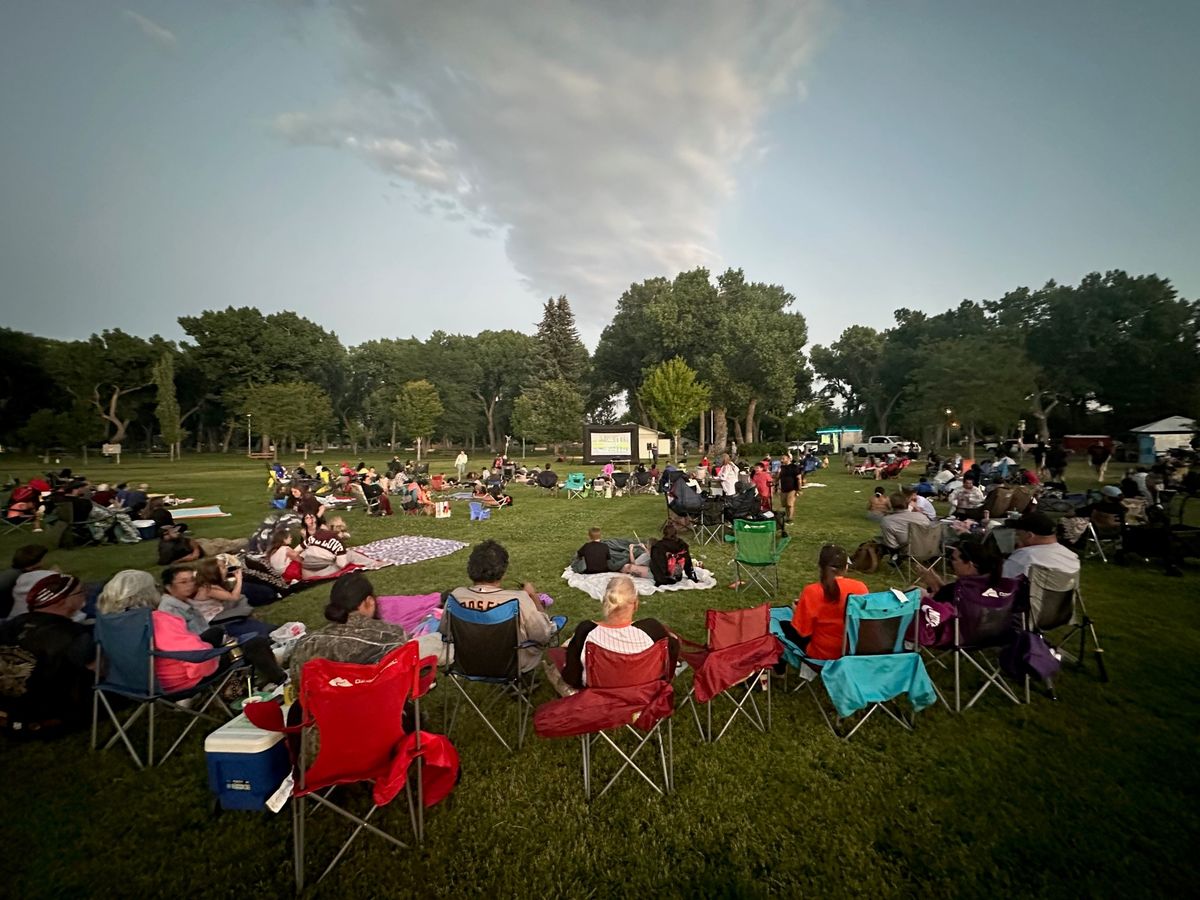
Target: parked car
879, 444
800, 448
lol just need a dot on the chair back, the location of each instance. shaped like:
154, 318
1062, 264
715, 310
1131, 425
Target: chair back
547, 478
358, 712
609, 669
485, 641
642, 478
713, 512
126, 642
925, 541
987, 615
620, 479
727, 627
437, 482
576, 481
877, 623
754, 541
1051, 597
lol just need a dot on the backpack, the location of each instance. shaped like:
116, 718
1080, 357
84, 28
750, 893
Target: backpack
16, 665
866, 558
676, 563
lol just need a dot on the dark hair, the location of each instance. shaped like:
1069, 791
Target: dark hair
347, 595
668, 532
170, 573
897, 501
984, 557
28, 556
833, 559
488, 562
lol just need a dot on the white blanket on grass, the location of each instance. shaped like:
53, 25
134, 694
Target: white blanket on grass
594, 585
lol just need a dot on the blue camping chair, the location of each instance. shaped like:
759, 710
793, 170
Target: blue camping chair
479, 512
875, 668
125, 654
487, 651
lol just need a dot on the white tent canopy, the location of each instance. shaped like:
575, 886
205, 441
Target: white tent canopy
1169, 425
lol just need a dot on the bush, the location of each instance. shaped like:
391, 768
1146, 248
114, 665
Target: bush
758, 449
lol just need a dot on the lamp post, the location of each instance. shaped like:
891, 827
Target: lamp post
249, 449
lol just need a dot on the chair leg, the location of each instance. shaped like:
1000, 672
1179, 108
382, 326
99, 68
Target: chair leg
957, 683
587, 768
298, 804
150, 738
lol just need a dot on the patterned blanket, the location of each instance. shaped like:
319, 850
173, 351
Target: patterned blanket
594, 585
408, 548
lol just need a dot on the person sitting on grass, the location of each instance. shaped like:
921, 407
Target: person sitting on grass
52, 654
639, 560
594, 554
919, 503
615, 631
818, 622
670, 558
879, 505
283, 558
221, 596
486, 567
157, 512
302, 503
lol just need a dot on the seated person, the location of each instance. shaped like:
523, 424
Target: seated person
486, 567
819, 615
22, 503
670, 558
16, 582
924, 488
893, 530
594, 554
302, 503
157, 512
133, 500
174, 547
616, 631
967, 497
58, 690
639, 560
322, 551
1037, 545
220, 597
480, 494
133, 589
355, 632
879, 505
282, 557
970, 558
919, 503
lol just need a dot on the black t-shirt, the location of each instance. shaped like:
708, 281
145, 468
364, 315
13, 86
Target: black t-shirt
61, 684
595, 557
789, 477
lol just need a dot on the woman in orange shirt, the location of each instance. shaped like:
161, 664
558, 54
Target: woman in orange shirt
819, 616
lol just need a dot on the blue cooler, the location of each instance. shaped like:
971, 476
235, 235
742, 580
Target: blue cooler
245, 764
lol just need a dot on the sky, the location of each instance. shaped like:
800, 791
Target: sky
388, 168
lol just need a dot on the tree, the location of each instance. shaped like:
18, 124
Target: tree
292, 411
850, 367
167, 409
551, 412
105, 372
26, 387
672, 396
984, 382
561, 355
46, 429
417, 410
496, 367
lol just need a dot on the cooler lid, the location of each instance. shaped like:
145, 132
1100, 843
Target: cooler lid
238, 735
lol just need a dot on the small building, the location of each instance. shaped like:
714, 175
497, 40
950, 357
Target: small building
839, 437
1171, 433
624, 443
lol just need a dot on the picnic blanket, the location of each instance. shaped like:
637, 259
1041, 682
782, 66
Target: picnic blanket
409, 548
198, 512
594, 585
418, 615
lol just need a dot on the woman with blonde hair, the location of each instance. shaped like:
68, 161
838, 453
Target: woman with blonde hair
616, 631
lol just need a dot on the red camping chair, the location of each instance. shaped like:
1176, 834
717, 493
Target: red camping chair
738, 657
626, 692
358, 713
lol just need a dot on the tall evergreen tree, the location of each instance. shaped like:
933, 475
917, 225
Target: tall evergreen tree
561, 355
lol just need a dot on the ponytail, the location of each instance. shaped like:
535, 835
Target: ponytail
831, 563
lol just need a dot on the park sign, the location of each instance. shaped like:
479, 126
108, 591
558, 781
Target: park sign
112, 450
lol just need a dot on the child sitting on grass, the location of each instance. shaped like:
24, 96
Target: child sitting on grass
594, 554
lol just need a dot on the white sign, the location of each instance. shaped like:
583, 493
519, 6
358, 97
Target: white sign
111, 449
610, 443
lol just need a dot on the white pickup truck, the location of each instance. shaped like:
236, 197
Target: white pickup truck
879, 444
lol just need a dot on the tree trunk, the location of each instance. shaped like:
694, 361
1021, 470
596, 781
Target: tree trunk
720, 430
971, 441
228, 438
750, 430
393, 437
738, 434
1042, 414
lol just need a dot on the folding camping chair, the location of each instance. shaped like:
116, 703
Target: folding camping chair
1055, 602
738, 657
487, 651
986, 621
710, 525
875, 669
576, 485
626, 692
358, 713
547, 480
641, 483
757, 550
924, 550
620, 482
125, 654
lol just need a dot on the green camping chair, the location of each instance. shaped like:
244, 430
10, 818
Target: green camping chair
576, 485
757, 551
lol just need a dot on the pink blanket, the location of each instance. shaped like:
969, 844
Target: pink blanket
408, 612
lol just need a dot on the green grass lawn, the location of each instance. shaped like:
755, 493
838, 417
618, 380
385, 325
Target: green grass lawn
1094, 795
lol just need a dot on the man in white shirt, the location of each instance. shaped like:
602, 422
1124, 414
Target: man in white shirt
1037, 545
966, 497
920, 504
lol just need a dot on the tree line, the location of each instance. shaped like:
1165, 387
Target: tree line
714, 359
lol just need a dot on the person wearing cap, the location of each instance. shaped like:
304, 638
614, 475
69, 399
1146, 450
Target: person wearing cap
26, 572
355, 632
59, 688
1037, 545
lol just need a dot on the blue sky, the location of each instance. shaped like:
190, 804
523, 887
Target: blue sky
389, 168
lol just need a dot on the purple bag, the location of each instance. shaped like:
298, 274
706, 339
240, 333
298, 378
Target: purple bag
1030, 655
935, 623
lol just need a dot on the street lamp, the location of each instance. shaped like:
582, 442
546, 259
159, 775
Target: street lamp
249, 449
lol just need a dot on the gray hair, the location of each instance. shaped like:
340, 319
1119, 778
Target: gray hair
128, 589
620, 593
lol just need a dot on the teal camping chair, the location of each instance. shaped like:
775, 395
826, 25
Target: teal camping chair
757, 550
875, 668
576, 485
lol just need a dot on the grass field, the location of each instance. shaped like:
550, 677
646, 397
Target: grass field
1094, 795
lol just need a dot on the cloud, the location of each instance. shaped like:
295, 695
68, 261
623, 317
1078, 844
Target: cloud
151, 29
600, 138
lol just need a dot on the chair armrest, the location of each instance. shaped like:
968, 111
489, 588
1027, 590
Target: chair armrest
195, 656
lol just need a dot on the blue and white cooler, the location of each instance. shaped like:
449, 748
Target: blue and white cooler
245, 764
